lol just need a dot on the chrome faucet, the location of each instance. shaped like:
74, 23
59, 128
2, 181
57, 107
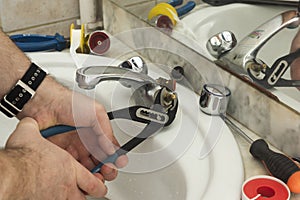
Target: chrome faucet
242, 58
89, 77
144, 87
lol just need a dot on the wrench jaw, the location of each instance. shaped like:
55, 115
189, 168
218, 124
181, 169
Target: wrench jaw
270, 77
157, 112
168, 100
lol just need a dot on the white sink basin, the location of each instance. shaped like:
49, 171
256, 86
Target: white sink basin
242, 19
167, 165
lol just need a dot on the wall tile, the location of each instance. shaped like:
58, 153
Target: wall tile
141, 9
129, 2
21, 14
62, 28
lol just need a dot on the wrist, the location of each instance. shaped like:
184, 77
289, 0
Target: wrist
45, 103
13, 102
14, 64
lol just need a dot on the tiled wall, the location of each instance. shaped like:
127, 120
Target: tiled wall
38, 16
142, 7
50, 17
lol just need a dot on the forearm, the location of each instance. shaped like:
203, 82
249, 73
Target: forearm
13, 65
14, 175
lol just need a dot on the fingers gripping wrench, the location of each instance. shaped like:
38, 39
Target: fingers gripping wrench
162, 113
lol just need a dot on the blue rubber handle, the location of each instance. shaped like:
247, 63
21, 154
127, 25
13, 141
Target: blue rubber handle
175, 2
59, 129
186, 8
110, 159
36, 42
55, 130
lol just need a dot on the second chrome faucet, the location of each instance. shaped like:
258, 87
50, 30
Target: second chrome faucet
242, 56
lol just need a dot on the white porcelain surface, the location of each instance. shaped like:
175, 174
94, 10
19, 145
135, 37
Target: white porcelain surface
181, 172
242, 19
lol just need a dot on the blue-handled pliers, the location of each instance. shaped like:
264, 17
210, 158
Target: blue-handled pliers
270, 77
155, 117
37, 42
135, 113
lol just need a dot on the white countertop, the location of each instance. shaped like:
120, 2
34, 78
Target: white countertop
252, 166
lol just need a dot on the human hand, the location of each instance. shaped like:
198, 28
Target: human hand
54, 104
45, 171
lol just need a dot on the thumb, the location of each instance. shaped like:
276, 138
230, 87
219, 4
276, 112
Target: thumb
26, 130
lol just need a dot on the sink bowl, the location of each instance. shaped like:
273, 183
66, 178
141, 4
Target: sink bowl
242, 19
173, 164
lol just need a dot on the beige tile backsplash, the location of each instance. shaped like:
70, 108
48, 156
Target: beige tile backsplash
49, 17
38, 16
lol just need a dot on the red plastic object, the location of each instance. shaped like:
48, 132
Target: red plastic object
99, 42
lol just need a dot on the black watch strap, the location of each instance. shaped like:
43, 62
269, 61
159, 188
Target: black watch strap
23, 91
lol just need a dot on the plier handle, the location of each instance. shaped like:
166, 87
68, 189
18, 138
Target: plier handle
135, 113
156, 117
37, 42
175, 3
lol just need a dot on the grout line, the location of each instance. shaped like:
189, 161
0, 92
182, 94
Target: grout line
138, 3
46, 24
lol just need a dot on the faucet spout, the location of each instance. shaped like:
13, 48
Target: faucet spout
89, 77
145, 89
245, 52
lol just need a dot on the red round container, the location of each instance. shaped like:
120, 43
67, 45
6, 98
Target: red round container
99, 42
265, 188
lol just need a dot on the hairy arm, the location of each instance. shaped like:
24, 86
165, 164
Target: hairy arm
14, 63
51, 105
33, 168
10, 174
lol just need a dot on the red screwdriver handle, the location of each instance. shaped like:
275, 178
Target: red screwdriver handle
279, 165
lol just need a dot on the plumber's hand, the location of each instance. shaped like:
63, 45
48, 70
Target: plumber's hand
54, 104
45, 171
295, 66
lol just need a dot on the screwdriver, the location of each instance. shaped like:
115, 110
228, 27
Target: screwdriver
277, 164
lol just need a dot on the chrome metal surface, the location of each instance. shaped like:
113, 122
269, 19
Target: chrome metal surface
221, 43
214, 99
135, 64
89, 77
246, 50
144, 88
